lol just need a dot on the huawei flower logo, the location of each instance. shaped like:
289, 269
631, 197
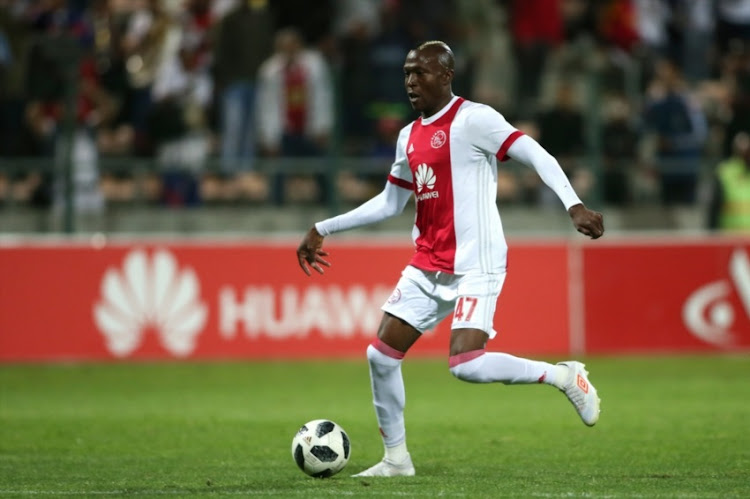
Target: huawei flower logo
150, 295
425, 177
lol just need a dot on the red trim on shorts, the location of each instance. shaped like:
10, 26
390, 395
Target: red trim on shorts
387, 350
401, 182
502, 153
455, 360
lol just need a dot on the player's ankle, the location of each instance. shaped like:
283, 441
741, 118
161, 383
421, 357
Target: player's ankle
557, 375
397, 454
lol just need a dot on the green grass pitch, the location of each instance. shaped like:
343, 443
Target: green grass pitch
670, 427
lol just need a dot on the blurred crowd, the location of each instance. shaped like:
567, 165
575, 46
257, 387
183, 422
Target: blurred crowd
638, 99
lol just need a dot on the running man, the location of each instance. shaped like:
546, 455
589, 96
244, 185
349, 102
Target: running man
448, 159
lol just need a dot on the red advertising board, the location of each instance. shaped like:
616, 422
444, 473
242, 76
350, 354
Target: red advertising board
217, 300
667, 296
167, 300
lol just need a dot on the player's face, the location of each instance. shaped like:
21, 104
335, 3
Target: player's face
426, 81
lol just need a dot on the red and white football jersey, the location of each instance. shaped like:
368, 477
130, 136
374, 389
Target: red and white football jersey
449, 160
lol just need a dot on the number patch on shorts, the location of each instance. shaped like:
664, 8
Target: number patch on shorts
465, 309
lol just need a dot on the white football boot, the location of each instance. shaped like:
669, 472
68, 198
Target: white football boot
581, 392
388, 468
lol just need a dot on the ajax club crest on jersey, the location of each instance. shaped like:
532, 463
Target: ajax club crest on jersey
438, 139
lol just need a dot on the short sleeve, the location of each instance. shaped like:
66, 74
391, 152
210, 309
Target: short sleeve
491, 132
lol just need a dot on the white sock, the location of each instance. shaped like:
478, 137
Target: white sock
388, 394
397, 454
479, 366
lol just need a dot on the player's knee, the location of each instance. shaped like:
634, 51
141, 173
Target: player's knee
467, 366
372, 354
380, 354
466, 372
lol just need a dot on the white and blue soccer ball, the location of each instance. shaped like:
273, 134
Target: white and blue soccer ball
321, 448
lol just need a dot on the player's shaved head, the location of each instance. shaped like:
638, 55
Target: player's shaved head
428, 73
441, 51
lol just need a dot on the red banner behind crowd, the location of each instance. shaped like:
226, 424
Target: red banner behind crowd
217, 301
147, 301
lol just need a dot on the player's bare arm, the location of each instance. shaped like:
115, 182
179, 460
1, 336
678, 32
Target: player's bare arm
587, 222
310, 253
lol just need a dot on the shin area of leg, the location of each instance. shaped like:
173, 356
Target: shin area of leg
388, 394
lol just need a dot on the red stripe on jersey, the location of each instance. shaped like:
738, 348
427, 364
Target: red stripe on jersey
400, 182
431, 168
447, 118
502, 153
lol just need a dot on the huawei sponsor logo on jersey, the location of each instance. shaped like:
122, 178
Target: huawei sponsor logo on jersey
425, 182
708, 312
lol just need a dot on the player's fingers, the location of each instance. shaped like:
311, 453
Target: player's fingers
592, 232
317, 268
304, 268
322, 252
302, 259
595, 226
324, 262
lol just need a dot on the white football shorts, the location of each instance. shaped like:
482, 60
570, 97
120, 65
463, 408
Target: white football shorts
424, 298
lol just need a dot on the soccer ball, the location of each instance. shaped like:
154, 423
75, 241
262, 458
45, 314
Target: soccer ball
321, 448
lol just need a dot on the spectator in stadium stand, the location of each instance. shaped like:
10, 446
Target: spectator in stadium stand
65, 38
244, 40
181, 93
729, 209
535, 36
677, 125
561, 130
732, 23
143, 46
448, 159
619, 146
295, 101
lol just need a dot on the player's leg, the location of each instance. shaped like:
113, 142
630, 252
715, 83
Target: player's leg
409, 311
384, 355
472, 327
470, 362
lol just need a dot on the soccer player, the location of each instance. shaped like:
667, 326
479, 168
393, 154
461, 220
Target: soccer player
448, 159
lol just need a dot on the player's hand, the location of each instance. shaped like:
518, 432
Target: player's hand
587, 222
310, 254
